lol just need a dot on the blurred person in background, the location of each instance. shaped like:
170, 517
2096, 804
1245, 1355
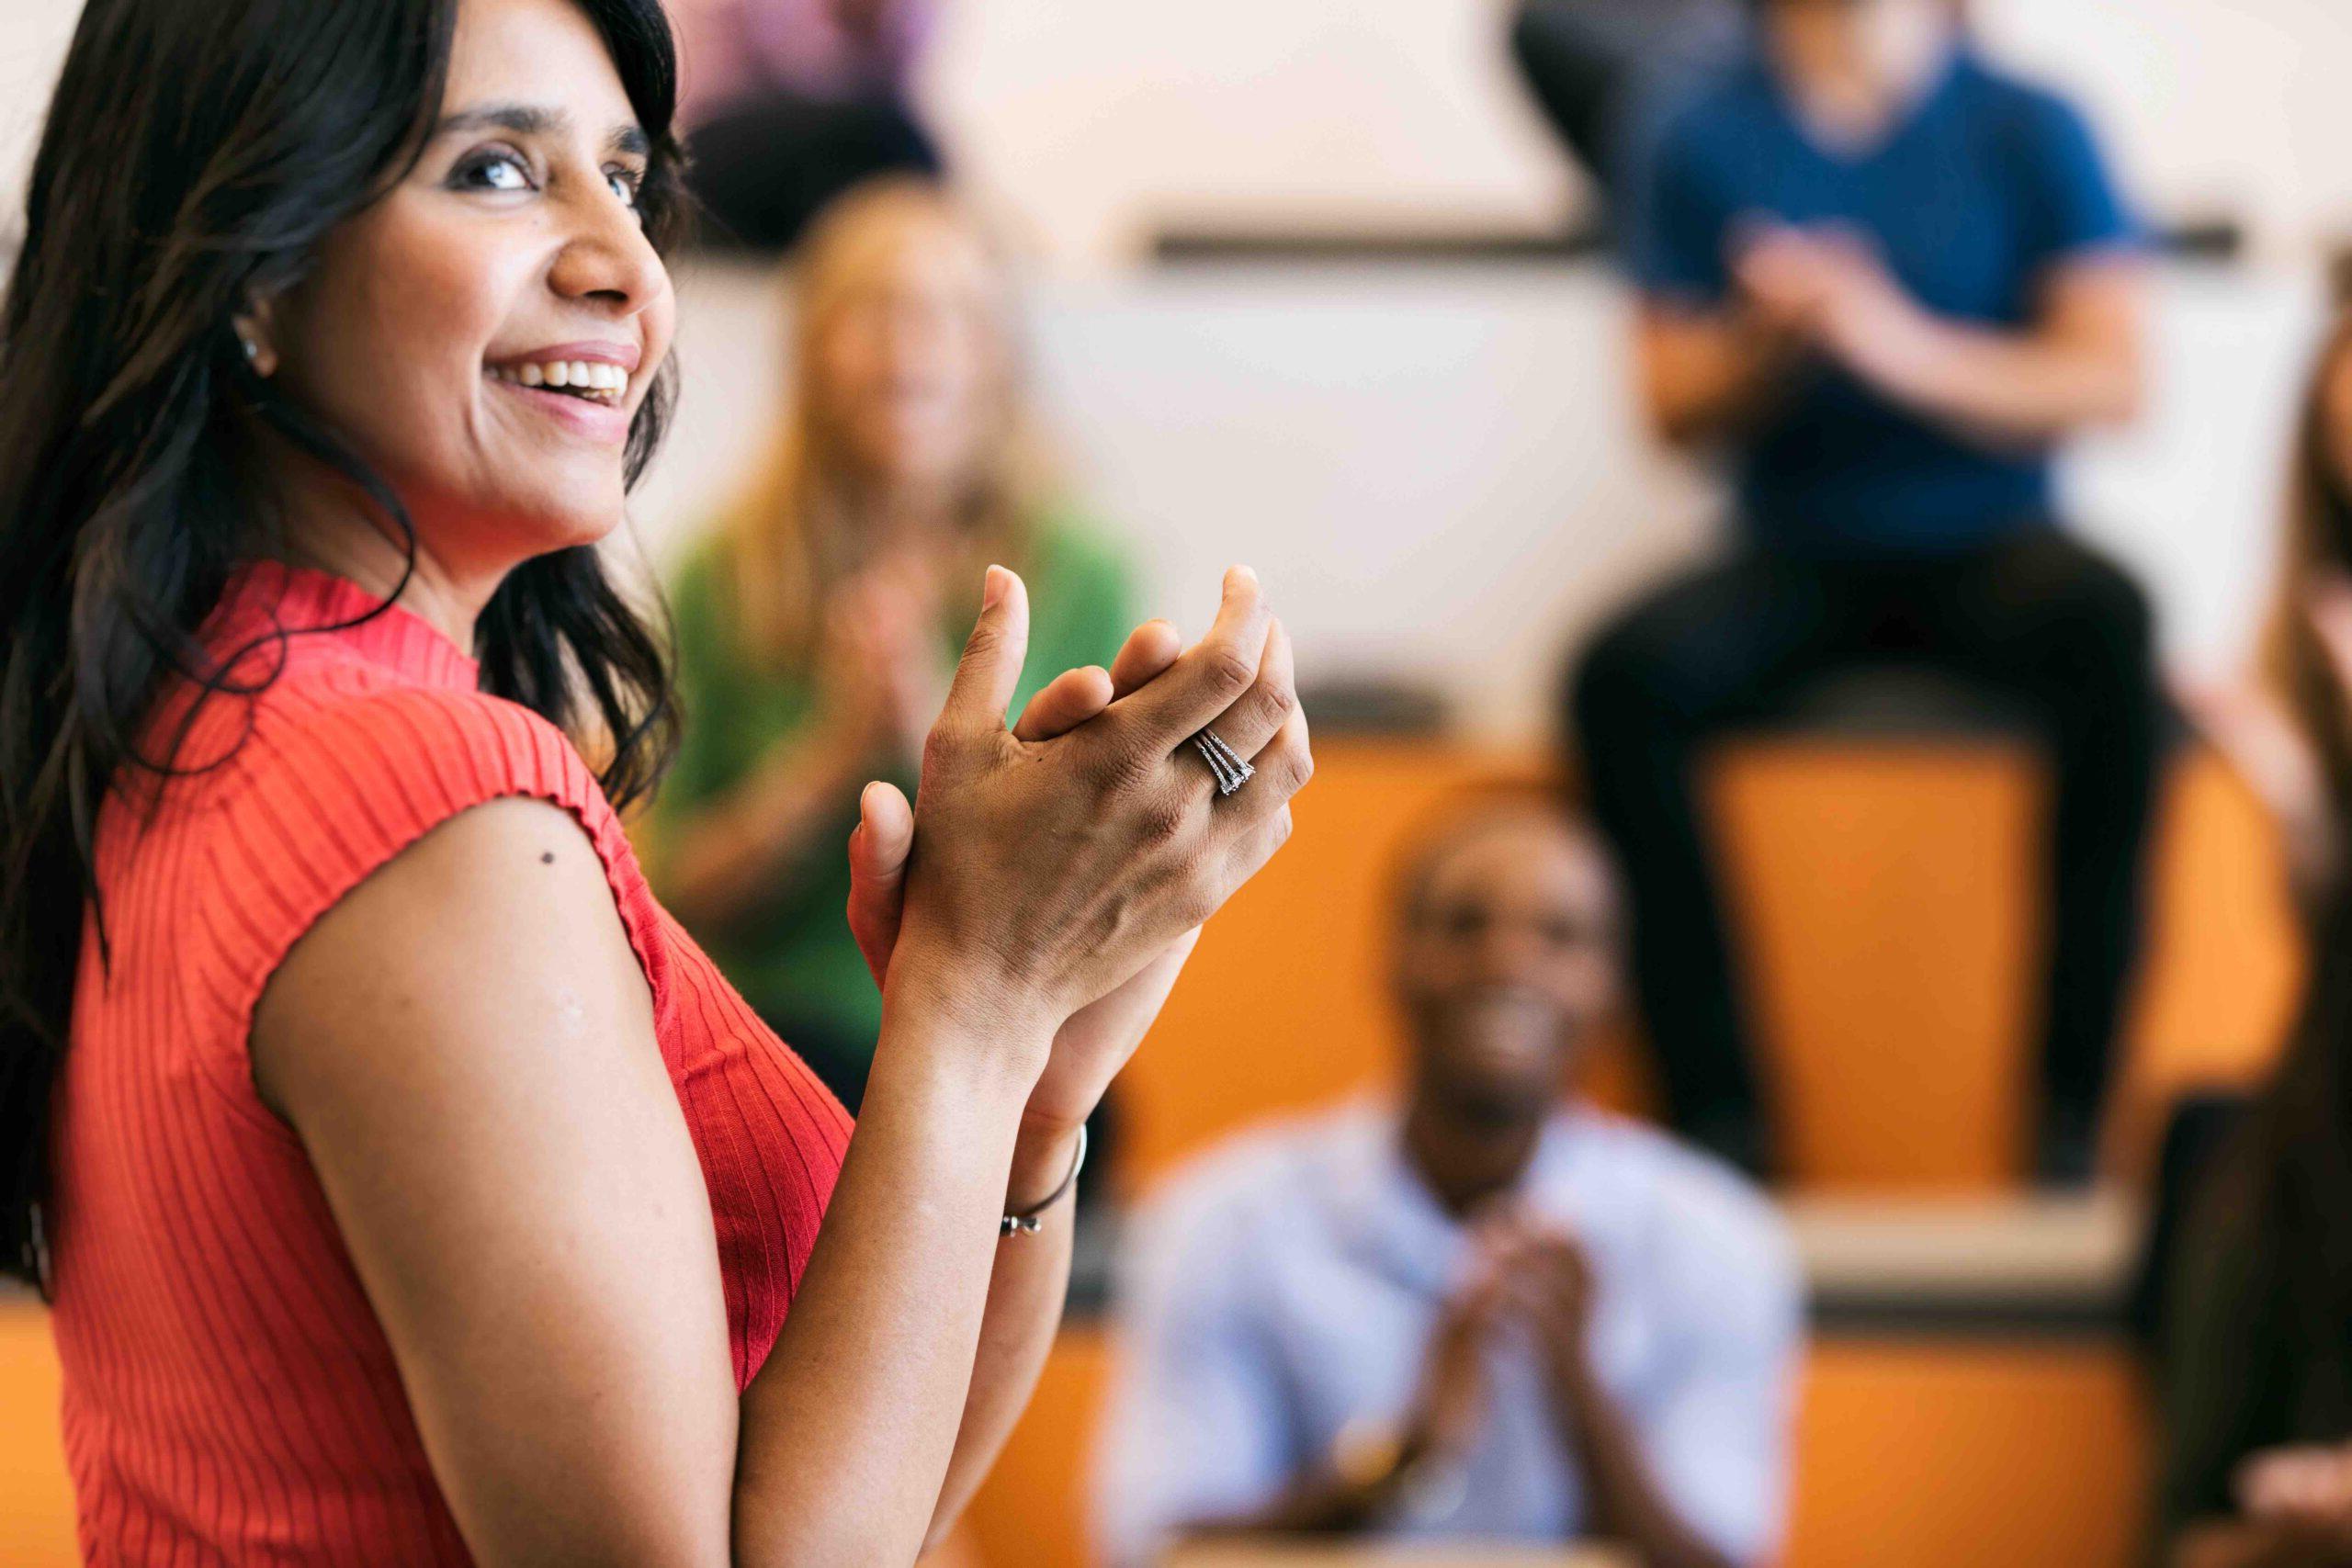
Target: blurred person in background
1887, 282
1489, 1312
2254, 1364
816, 628
1599, 69
1605, 72
790, 103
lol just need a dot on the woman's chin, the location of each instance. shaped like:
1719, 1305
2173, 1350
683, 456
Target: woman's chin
563, 522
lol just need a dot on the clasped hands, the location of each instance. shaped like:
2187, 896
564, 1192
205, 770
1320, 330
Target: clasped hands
1525, 1272
1053, 875
1827, 289
878, 679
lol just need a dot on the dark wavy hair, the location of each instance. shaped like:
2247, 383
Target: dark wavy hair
195, 154
2318, 542
2282, 1188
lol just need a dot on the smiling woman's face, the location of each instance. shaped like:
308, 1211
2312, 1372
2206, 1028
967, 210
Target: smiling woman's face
447, 331
908, 366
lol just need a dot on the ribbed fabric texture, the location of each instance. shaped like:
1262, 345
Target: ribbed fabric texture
229, 1394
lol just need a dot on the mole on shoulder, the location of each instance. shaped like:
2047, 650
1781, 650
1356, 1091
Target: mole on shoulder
547, 858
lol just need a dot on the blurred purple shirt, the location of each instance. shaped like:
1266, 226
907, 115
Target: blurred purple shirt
734, 48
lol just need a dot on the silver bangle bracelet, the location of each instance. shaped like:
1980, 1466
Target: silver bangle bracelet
1032, 1220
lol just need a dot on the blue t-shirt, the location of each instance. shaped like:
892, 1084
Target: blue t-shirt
1971, 200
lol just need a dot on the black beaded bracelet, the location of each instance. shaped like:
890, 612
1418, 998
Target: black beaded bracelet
1029, 1223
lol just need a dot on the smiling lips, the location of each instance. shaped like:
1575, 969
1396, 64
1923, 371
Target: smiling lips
590, 379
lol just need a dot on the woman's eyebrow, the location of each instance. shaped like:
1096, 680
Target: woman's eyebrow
523, 119
531, 119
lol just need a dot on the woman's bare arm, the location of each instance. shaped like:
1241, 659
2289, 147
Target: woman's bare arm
465, 1046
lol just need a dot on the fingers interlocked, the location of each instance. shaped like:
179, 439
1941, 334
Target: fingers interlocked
1093, 826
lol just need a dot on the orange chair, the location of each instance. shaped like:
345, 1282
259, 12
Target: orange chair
36, 1505
1884, 893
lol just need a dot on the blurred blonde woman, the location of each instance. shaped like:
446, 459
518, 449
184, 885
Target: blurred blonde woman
819, 622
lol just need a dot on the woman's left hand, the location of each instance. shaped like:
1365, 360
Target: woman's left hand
1096, 1041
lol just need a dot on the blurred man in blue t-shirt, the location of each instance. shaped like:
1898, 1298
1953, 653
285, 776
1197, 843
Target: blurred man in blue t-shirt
1887, 281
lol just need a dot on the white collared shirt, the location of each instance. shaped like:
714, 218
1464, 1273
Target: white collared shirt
1286, 1285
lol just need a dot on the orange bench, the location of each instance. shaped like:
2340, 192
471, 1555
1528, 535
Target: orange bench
1885, 894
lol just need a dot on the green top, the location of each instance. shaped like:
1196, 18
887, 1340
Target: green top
794, 958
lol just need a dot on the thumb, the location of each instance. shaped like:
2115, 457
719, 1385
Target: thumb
989, 672
878, 849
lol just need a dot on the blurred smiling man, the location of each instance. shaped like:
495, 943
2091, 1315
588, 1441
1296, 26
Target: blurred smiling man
1487, 1312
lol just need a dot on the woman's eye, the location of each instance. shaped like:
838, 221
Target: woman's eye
625, 183
495, 171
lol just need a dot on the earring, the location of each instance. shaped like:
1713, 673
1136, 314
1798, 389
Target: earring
263, 361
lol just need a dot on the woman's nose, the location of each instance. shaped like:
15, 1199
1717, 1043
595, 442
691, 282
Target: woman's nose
608, 259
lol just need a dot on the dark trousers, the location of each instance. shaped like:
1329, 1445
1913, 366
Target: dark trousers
2036, 615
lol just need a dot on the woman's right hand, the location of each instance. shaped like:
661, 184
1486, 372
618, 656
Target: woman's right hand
1044, 874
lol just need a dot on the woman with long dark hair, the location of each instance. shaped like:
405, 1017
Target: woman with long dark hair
407, 1186
2254, 1365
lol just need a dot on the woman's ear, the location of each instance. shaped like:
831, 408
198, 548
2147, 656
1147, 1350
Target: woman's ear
252, 327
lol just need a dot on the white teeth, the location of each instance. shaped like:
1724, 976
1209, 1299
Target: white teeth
603, 382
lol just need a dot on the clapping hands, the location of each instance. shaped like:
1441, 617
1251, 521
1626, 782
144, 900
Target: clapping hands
1116, 798
1526, 1272
878, 675
1828, 289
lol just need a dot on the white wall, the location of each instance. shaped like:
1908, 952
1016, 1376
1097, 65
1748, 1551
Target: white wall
32, 42
2238, 106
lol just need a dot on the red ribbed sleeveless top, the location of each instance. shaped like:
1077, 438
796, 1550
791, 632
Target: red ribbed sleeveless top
229, 1395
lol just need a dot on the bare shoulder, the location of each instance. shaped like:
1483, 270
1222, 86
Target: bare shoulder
497, 927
